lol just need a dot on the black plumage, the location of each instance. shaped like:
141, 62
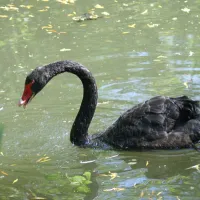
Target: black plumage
159, 123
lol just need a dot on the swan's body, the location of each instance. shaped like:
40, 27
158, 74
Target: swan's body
159, 123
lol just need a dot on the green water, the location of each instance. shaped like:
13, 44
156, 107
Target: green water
157, 55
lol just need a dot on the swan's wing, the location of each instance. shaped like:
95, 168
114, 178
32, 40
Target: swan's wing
151, 121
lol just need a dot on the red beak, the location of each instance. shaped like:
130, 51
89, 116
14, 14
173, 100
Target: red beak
27, 95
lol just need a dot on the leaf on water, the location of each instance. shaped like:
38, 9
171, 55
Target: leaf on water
142, 194
145, 12
194, 167
89, 161
191, 53
65, 49
87, 175
9, 7
37, 198
112, 175
147, 163
125, 32
107, 102
105, 13
1, 153
15, 181
186, 84
132, 163
125, 4
45, 9
131, 25
98, 6
187, 10
48, 26
162, 56
26, 6
83, 25
152, 25
62, 32
71, 14
3, 16
4, 173
43, 159
159, 193
51, 31
114, 189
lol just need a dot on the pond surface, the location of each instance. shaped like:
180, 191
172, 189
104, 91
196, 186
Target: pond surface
135, 50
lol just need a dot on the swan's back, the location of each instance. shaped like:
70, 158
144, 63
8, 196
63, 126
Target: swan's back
160, 122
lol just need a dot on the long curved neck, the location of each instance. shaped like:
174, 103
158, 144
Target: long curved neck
79, 131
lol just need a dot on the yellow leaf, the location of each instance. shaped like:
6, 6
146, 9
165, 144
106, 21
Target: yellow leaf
98, 6
125, 32
145, 12
27, 6
1, 153
43, 159
147, 163
159, 193
43, 10
141, 194
152, 25
48, 26
15, 181
186, 85
65, 49
3, 16
4, 173
131, 25
125, 4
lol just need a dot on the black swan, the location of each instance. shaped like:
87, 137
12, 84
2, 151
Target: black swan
158, 123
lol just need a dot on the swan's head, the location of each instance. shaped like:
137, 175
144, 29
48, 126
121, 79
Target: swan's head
34, 83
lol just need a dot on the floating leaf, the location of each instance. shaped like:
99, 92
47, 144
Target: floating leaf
114, 189
152, 25
15, 181
187, 10
191, 53
98, 6
131, 25
3, 16
142, 194
43, 159
27, 6
105, 13
147, 163
186, 85
89, 161
125, 32
112, 175
87, 175
4, 173
145, 12
1, 153
125, 4
47, 27
159, 193
195, 167
65, 49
